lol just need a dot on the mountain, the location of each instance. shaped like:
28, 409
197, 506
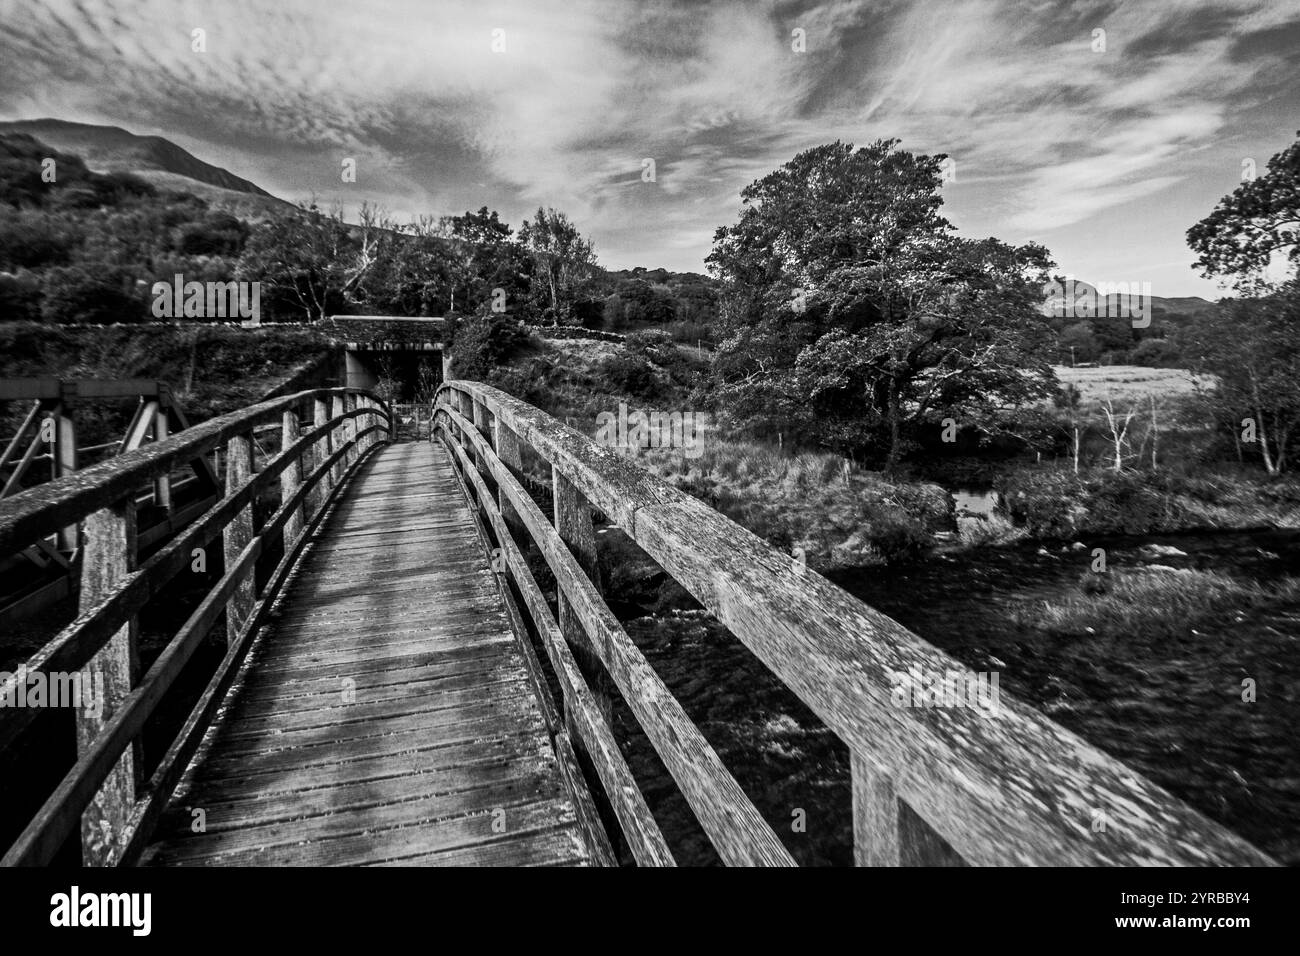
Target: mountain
1174, 308
155, 160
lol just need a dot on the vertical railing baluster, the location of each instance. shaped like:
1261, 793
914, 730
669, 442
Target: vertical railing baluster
363, 423
509, 450
320, 416
875, 814
467, 413
65, 450
291, 477
110, 555
573, 522
237, 534
483, 425
162, 485
338, 437
350, 429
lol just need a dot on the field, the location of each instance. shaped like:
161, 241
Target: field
1130, 384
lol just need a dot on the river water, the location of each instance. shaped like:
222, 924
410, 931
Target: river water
1169, 707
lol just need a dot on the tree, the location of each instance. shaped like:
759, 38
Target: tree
414, 275
1078, 344
1261, 218
852, 311
1252, 346
485, 258
563, 261
315, 259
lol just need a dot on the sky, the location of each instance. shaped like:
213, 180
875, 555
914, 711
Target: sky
1104, 147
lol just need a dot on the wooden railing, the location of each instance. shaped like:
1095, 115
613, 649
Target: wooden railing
104, 791
931, 785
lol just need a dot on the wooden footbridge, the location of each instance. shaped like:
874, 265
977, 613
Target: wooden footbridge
416, 658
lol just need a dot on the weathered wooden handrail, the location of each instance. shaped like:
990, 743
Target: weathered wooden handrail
102, 789
931, 785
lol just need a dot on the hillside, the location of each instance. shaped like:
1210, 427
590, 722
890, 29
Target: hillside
154, 159
1171, 308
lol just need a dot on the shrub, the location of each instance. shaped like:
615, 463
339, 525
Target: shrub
219, 235
20, 298
1157, 353
481, 343
74, 296
631, 375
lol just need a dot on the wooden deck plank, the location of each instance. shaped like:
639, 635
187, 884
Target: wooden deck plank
457, 763
322, 694
251, 808
560, 847
418, 839
387, 716
336, 716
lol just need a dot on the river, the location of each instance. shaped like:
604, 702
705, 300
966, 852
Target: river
1172, 709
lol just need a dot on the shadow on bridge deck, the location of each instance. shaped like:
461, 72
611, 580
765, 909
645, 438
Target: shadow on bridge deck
387, 713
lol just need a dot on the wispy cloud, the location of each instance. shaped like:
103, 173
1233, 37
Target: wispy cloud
1048, 133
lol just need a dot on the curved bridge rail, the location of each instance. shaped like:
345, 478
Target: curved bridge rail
931, 785
103, 790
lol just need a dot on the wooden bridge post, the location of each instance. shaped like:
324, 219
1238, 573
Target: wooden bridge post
875, 815
162, 485
353, 402
886, 831
374, 420
508, 448
237, 534
338, 436
291, 477
483, 424
110, 555
467, 412
320, 416
363, 423
65, 462
573, 522
349, 432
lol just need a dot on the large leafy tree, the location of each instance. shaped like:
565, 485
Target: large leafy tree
1252, 347
486, 257
1259, 220
563, 260
415, 276
852, 312
1252, 344
313, 259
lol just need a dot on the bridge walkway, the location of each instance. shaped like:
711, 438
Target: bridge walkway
387, 715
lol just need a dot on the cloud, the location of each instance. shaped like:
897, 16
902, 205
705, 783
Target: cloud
1046, 132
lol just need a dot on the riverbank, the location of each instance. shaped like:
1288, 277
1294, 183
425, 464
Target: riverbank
835, 514
816, 506
1056, 505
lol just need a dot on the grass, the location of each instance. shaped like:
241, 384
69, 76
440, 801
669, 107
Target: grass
1126, 385
815, 503
1155, 603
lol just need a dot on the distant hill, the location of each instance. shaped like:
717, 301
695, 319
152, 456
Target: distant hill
1173, 308
155, 160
